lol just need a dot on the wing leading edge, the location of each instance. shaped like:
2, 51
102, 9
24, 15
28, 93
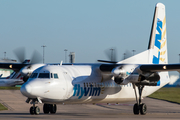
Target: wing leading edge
160, 67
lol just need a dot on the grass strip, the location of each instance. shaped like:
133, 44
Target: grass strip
171, 94
2, 107
9, 88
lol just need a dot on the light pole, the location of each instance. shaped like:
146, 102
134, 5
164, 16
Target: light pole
133, 51
124, 56
65, 54
43, 52
112, 56
4, 55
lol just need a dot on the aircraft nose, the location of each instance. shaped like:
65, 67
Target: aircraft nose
26, 90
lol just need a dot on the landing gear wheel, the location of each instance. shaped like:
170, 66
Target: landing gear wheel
37, 110
53, 109
143, 108
136, 109
49, 108
31, 110
46, 109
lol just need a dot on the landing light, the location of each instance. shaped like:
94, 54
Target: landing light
164, 67
10, 66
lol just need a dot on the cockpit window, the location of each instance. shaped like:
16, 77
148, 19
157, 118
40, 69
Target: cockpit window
51, 75
33, 75
44, 75
55, 76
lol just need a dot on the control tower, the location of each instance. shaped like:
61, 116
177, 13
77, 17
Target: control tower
72, 57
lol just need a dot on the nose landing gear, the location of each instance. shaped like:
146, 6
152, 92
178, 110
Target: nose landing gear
34, 109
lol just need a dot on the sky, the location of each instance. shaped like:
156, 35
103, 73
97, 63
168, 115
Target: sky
87, 28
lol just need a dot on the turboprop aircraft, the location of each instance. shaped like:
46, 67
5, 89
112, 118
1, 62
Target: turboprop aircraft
113, 82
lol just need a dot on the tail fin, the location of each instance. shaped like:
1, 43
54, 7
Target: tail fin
157, 49
158, 41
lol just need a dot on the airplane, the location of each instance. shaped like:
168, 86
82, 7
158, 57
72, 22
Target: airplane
111, 82
12, 80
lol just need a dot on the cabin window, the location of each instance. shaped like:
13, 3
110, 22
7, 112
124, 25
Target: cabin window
44, 75
34, 75
55, 75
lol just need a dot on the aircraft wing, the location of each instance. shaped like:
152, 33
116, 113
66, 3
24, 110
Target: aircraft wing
13, 66
160, 67
145, 67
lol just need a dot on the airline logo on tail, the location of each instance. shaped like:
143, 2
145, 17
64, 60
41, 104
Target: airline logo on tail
160, 42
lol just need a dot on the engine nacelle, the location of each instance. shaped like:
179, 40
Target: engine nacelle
27, 70
118, 80
30, 68
152, 77
122, 74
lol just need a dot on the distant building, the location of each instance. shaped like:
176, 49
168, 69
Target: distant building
72, 57
8, 61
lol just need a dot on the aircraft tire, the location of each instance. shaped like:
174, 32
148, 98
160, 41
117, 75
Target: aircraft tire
136, 109
31, 110
36, 110
143, 109
46, 108
53, 108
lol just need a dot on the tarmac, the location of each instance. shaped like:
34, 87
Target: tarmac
18, 109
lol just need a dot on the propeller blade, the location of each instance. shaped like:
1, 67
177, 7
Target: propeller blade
36, 57
106, 61
111, 54
20, 54
127, 54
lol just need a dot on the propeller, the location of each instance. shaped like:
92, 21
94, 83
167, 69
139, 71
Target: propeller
127, 54
36, 57
29, 68
112, 55
20, 54
119, 71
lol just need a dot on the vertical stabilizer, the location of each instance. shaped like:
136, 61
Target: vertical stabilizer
158, 41
157, 48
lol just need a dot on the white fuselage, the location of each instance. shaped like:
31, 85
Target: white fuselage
80, 84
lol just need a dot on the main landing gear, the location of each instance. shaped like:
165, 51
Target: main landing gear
139, 107
47, 108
